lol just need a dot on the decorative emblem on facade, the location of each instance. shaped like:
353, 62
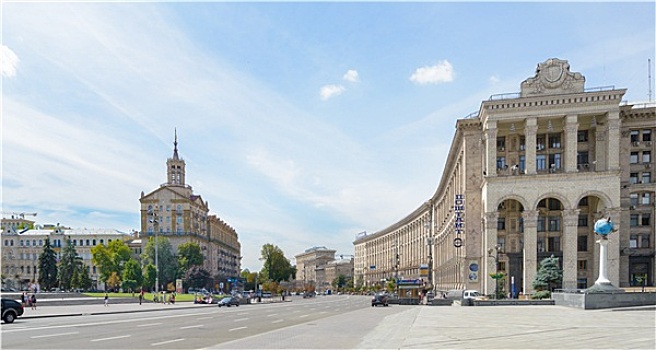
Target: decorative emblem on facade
553, 77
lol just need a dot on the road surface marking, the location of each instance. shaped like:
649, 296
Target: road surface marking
242, 313
168, 341
277, 321
304, 316
149, 324
204, 318
110, 338
236, 329
54, 335
195, 326
241, 319
271, 315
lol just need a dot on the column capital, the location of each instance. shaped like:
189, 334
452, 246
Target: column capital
571, 217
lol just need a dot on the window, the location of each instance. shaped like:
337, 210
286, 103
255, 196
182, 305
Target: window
554, 161
501, 143
34, 242
633, 178
646, 178
94, 270
40, 242
554, 224
634, 136
501, 163
94, 242
646, 135
582, 136
501, 224
542, 223
582, 158
21, 242
554, 204
178, 220
634, 158
28, 269
81, 242
541, 247
633, 241
646, 198
646, 219
75, 242
634, 220
6, 242
582, 264
554, 140
646, 156
101, 242
583, 220
502, 266
501, 242
582, 244
521, 225
522, 143
522, 163
88, 242
540, 162
583, 202
644, 241
554, 244
634, 199
540, 142
179, 208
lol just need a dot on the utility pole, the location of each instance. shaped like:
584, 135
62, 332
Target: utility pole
155, 224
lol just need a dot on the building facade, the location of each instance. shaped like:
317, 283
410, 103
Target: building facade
23, 242
175, 212
310, 267
526, 178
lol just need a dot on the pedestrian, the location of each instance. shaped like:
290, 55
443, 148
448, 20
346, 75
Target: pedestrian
24, 300
106, 299
141, 296
33, 301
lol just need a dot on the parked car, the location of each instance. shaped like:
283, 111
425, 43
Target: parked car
11, 309
228, 301
379, 299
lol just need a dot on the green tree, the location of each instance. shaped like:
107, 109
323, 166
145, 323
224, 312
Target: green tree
114, 281
168, 263
198, 277
132, 276
110, 258
549, 276
149, 274
189, 254
84, 280
48, 267
276, 267
69, 263
339, 282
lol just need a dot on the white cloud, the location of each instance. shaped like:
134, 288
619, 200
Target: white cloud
442, 72
494, 79
329, 91
9, 62
352, 76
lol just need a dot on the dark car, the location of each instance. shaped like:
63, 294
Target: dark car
228, 301
379, 299
11, 309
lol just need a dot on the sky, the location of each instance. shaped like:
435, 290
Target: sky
301, 124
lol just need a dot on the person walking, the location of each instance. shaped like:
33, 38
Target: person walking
33, 301
141, 296
24, 300
106, 299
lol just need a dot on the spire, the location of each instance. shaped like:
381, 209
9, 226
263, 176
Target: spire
175, 145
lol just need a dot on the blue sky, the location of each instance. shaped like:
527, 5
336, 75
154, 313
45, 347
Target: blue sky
302, 124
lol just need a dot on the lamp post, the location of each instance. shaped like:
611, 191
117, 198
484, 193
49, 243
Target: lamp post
155, 224
495, 250
430, 240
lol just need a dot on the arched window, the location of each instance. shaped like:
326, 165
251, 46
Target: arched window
87, 242
102, 241
21, 243
34, 242
75, 242
94, 242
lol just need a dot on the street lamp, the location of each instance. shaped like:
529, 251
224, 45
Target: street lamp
155, 224
430, 240
495, 250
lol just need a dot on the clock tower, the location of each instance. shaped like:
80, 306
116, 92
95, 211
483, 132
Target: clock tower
175, 166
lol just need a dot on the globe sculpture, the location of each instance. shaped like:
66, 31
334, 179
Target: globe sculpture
603, 227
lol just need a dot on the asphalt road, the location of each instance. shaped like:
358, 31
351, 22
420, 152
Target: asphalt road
192, 328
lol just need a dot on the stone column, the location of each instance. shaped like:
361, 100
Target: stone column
491, 148
530, 248
530, 132
571, 128
614, 248
570, 236
613, 157
601, 148
491, 219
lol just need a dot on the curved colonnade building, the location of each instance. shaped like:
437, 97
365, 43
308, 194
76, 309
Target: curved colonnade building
526, 178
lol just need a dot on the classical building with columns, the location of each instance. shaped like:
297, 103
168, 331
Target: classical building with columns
526, 178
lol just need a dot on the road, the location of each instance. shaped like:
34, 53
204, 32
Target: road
196, 328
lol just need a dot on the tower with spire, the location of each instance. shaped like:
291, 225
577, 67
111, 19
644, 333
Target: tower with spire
175, 166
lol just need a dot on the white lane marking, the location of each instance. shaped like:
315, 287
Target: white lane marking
271, 315
168, 341
149, 324
54, 335
236, 329
204, 318
277, 321
110, 338
323, 312
195, 326
304, 316
241, 319
242, 313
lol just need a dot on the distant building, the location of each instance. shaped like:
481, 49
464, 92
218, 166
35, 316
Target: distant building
175, 212
23, 241
310, 267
